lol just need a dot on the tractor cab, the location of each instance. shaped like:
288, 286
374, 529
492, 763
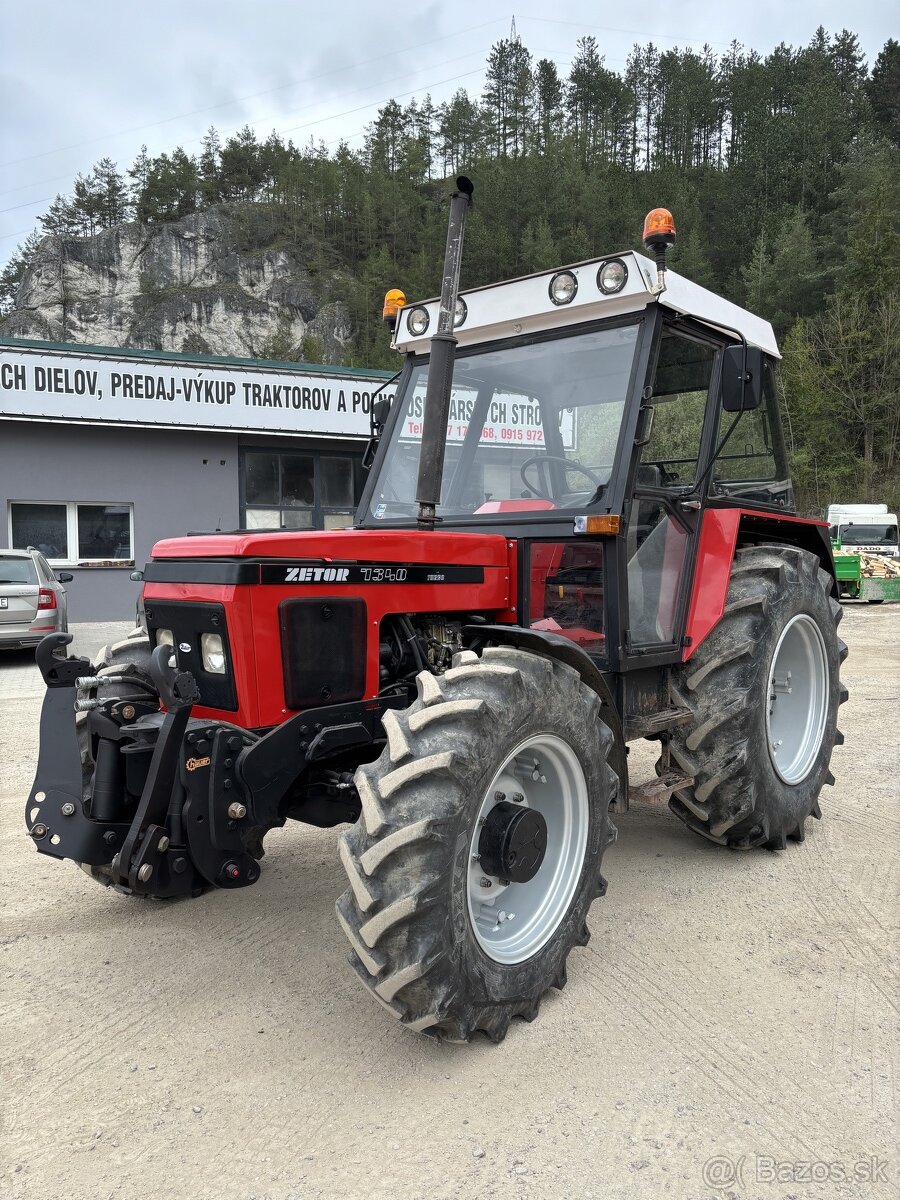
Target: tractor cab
591, 419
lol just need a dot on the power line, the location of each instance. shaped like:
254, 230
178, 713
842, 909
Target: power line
319, 120
641, 33
250, 96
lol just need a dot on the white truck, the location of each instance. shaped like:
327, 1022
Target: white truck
864, 527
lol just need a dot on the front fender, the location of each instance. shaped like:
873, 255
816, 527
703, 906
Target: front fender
553, 645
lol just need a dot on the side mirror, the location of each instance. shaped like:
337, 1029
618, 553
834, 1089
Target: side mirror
741, 392
380, 411
64, 576
136, 576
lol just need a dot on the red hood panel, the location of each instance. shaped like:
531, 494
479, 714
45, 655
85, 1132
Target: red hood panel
359, 545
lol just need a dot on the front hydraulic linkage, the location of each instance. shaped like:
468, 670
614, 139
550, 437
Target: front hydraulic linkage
143, 851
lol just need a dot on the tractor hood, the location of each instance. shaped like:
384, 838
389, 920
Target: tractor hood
346, 545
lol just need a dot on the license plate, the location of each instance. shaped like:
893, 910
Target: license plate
4, 603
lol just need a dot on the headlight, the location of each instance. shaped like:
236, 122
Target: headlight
460, 312
213, 653
563, 287
164, 637
612, 276
417, 321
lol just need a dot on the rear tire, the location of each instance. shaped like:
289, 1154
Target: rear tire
764, 689
423, 945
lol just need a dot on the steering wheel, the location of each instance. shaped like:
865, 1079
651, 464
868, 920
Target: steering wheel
542, 488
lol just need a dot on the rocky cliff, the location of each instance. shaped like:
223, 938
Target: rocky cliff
207, 284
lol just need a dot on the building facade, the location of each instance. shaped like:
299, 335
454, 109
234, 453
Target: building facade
105, 451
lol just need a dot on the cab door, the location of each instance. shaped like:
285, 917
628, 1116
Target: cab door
663, 520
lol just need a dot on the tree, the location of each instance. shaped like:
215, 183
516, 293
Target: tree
241, 170
784, 279
171, 190
139, 172
460, 132
846, 361
507, 97
108, 186
883, 90
548, 109
539, 250
60, 219
209, 166
14, 271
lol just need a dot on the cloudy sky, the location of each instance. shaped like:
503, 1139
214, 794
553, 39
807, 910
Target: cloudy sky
82, 80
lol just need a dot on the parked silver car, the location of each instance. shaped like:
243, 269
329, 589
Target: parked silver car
32, 599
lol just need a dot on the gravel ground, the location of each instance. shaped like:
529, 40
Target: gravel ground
731, 1031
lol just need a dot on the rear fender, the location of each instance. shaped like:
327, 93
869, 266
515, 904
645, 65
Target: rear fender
722, 533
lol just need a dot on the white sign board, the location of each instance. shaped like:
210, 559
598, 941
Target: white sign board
68, 386
512, 420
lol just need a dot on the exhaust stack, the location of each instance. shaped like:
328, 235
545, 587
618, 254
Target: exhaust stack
440, 367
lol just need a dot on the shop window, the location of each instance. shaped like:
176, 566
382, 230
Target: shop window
74, 533
261, 478
337, 482
299, 491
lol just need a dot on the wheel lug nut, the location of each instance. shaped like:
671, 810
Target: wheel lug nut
499, 796
145, 872
485, 883
236, 811
67, 809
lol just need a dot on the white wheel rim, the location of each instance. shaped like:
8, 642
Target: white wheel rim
797, 699
513, 921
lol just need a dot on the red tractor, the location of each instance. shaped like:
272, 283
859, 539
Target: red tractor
578, 530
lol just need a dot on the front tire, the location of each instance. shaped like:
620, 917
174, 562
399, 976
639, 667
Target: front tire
764, 689
482, 745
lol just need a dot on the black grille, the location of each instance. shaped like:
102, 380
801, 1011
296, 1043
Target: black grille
323, 647
188, 621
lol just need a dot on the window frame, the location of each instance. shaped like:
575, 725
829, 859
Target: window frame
318, 510
71, 507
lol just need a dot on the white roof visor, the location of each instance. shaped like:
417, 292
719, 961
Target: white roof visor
571, 296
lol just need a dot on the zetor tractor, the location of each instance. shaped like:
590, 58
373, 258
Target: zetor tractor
577, 530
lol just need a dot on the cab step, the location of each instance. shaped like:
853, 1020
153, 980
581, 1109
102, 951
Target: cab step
661, 788
658, 722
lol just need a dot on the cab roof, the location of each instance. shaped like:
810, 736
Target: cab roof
523, 306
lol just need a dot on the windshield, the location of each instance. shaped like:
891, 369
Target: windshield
531, 427
868, 535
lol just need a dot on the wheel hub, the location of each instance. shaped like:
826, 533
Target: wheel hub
797, 699
513, 842
527, 848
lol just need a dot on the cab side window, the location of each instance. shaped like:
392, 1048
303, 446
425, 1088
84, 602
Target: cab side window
753, 463
680, 391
